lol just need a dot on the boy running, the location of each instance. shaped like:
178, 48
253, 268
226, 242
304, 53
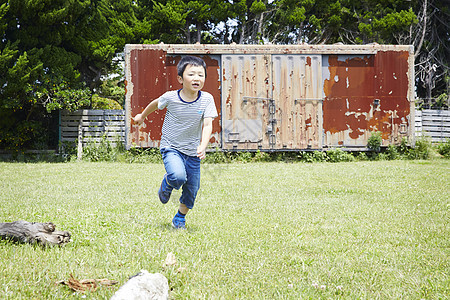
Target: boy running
183, 139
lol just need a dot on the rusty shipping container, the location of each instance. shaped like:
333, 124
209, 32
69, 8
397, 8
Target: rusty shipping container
283, 97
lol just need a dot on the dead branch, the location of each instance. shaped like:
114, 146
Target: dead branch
86, 284
31, 232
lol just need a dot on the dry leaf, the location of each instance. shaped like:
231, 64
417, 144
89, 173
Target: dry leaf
170, 259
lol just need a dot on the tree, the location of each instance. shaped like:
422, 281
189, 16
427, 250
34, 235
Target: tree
431, 38
53, 54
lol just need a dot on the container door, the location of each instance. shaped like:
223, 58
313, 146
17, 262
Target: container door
298, 95
246, 96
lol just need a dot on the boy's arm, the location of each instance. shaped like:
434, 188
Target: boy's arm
206, 135
151, 107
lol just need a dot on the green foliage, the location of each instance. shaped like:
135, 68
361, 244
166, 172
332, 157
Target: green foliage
114, 89
102, 151
362, 156
53, 53
382, 27
26, 135
216, 157
168, 20
242, 156
392, 152
338, 155
258, 7
312, 157
104, 103
422, 149
444, 149
108, 151
403, 148
442, 101
261, 156
62, 96
374, 141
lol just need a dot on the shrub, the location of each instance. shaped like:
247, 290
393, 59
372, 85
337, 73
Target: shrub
216, 157
444, 149
403, 148
261, 156
374, 141
422, 149
102, 151
362, 156
338, 155
392, 152
243, 156
104, 103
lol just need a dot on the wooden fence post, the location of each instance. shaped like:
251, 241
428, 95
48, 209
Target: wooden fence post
80, 141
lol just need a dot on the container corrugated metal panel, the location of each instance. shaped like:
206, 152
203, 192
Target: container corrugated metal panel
246, 92
276, 97
364, 94
297, 91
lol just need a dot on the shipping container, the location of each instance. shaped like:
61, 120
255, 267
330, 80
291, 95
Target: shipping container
282, 97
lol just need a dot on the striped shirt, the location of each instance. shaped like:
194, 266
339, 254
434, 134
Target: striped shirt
182, 128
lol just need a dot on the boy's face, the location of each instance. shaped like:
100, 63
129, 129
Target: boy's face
193, 78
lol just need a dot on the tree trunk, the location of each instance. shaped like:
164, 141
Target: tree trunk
199, 32
424, 29
188, 33
27, 232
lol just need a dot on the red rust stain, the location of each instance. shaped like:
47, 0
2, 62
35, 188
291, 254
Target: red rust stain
147, 75
308, 122
353, 86
308, 61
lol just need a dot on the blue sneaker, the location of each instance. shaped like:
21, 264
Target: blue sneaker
164, 191
178, 222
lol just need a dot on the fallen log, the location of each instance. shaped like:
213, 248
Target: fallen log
31, 232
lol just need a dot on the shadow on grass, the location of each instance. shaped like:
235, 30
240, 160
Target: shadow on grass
167, 227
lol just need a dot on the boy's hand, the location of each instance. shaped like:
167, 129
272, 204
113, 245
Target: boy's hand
201, 153
138, 120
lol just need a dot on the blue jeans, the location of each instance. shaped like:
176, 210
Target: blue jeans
182, 171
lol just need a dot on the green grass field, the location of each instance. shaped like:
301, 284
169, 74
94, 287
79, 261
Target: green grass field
361, 230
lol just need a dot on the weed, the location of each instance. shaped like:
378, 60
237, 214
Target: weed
422, 150
403, 148
444, 149
374, 141
216, 157
338, 155
392, 152
261, 157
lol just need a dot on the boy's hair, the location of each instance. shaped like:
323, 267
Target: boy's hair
190, 60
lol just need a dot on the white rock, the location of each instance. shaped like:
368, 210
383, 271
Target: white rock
144, 286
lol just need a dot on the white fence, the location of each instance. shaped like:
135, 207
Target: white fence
92, 126
434, 124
